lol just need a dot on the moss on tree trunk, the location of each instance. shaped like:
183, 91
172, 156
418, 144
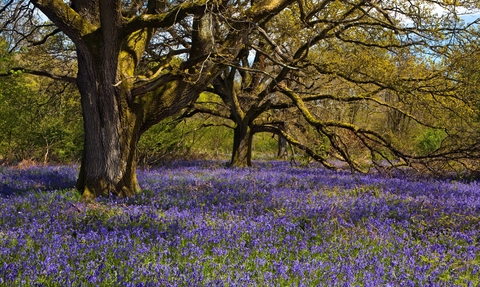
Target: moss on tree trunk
112, 127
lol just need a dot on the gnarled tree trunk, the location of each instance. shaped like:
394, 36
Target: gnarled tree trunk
112, 130
116, 112
242, 146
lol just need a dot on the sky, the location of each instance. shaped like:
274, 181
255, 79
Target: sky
471, 17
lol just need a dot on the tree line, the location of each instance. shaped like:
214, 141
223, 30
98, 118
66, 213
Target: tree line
358, 83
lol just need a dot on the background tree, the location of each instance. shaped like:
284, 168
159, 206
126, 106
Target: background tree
368, 50
354, 66
457, 111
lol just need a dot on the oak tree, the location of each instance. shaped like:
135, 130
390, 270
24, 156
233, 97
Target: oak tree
343, 55
129, 73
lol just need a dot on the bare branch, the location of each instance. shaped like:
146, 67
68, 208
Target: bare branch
290, 139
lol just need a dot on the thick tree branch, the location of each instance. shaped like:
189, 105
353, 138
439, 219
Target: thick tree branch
359, 132
162, 20
198, 108
67, 19
40, 73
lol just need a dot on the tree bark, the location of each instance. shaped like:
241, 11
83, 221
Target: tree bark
111, 121
242, 146
282, 147
112, 129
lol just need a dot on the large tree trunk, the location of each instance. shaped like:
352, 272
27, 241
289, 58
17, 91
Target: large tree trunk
112, 130
242, 146
112, 127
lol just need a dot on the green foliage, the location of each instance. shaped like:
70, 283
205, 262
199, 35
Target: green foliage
194, 138
430, 140
39, 123
185, 139
264, 146
40, 120
162, 140
35, 128
212, 142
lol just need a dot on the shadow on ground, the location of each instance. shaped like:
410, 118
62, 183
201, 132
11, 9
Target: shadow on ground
38, 178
